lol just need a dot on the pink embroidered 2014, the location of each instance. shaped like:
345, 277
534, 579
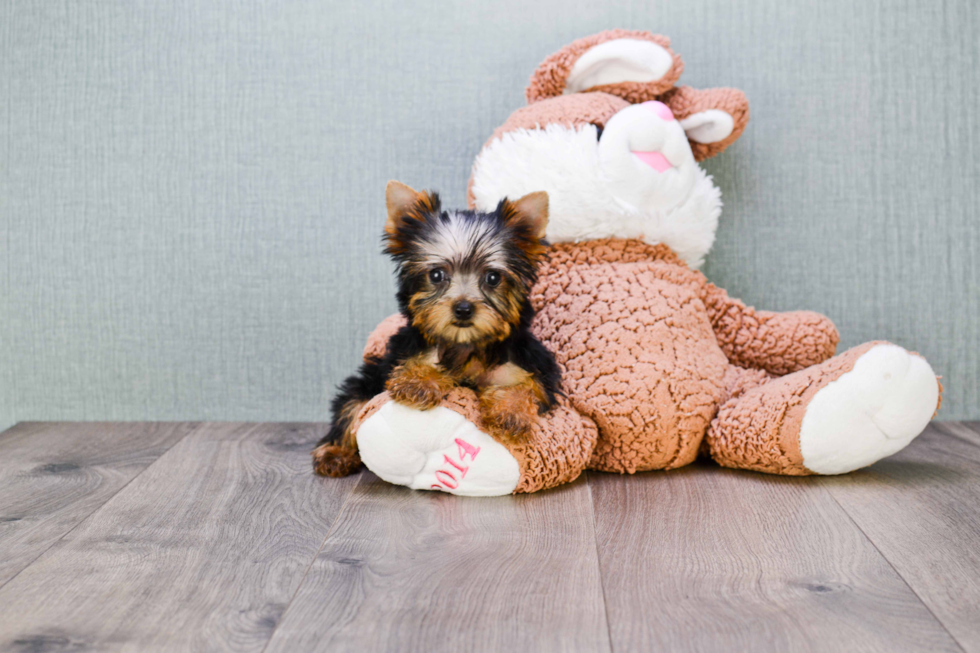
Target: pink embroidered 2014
448, 481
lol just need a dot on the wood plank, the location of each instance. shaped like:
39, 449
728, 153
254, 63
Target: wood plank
54, 475
417, 571
921, 508
202, 551
709, 559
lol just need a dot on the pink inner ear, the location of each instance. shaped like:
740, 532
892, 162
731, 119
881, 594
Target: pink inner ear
655, 160
659, 108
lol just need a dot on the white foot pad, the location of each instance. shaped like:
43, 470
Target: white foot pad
435, 449
869, 413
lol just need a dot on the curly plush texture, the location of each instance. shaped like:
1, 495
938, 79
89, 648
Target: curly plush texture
551, 75
626, 323
377, 342
778, 343
569, 111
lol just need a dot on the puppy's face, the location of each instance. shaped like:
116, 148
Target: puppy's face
464, 276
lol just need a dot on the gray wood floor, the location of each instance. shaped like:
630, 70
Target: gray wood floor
200, 537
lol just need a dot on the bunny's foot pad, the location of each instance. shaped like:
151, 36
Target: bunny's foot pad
871, 412
435, 449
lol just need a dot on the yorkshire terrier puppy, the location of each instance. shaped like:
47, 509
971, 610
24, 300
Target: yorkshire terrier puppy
463, 284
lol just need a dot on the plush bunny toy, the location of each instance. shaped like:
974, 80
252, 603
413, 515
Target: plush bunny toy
658, 363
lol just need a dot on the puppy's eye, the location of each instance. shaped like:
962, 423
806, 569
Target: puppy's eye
437, 276
492, 278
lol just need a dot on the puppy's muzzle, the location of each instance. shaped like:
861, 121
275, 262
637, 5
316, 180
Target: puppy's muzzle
463, 310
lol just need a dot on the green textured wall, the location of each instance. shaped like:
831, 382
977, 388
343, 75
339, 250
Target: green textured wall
191, 192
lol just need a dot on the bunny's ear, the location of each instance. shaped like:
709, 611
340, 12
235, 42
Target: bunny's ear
634, 65
712, 118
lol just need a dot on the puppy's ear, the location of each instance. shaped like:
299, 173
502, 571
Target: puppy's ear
528, 217
532, 210
401, 200
407, 207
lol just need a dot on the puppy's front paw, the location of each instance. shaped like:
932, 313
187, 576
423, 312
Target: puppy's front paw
335, 461
508, 427
418, 386
509, 414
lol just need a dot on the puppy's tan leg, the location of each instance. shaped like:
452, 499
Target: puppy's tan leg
510, 402
419, 383
340, 458
335, 460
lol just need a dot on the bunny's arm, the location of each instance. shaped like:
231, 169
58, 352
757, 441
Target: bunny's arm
778, 343
377, 342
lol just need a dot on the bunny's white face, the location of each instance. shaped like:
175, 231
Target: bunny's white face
637, 179
645, 158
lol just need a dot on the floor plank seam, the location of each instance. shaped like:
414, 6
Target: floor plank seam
598, 561
102, 505
316, 555
894, 569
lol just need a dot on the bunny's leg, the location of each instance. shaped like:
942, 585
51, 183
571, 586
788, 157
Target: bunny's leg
843, 414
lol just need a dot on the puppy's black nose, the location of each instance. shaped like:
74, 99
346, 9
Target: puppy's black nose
463, 310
